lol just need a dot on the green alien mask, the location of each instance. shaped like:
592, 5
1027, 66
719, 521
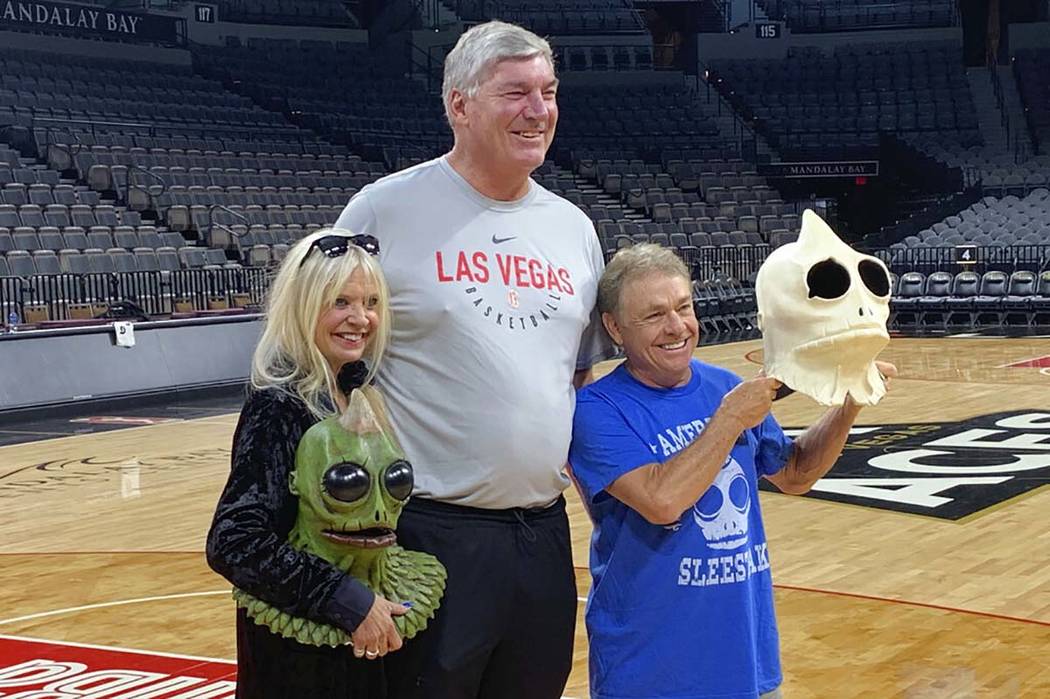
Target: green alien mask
352, 480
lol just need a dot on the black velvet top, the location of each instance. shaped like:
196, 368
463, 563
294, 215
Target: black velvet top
248, 541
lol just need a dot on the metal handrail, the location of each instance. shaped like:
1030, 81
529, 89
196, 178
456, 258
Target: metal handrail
725, 11
1014, 141
151, 128
70, 149
429, 63
138, 168
410, 150
1000, 100
156, 129
1008, 258
222, 226
743, 130
429, 9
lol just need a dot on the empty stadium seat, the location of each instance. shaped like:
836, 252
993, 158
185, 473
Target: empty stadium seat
1017, 304
904, 307
933, 304
988, 303
1040, 303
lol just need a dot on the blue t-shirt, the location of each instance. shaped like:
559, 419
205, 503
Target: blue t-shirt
684, 610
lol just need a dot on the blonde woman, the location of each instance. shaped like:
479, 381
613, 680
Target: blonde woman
326, 329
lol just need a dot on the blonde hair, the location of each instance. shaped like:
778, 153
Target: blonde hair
636, 262
307, 283
479, 49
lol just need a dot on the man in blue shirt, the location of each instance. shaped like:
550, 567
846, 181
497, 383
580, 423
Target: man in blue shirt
667, 452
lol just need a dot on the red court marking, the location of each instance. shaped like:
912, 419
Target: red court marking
910, 603
1036, 363
118, 420
750, 356
37, 665
905, 602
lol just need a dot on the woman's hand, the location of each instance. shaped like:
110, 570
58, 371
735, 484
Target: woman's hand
376, 635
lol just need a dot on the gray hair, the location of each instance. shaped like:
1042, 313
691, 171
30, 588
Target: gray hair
479, 49
632, 263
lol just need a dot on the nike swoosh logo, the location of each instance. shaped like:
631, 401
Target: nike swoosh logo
497, 241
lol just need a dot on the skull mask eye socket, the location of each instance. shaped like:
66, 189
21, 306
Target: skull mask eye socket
874, 277
346, 482
828, 280
398, 479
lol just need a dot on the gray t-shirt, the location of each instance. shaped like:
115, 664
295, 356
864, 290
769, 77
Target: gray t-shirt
493, 311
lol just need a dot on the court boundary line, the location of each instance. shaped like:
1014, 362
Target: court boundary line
136, 651
782, 586
911, 603
116, 603
120, 603
121, 552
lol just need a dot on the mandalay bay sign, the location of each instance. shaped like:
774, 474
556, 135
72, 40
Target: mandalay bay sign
66, 18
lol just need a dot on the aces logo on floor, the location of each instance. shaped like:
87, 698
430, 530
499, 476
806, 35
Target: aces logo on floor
947, 470
33, 668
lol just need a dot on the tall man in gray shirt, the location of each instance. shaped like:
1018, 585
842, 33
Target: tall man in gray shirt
493, 281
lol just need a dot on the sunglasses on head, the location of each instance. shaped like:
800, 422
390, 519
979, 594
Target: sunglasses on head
336, 245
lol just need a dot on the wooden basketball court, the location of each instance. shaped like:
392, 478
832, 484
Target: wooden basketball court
102, 535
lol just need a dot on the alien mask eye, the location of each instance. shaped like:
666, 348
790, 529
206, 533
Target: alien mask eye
828, 280
346, 482
874, 277
399, 480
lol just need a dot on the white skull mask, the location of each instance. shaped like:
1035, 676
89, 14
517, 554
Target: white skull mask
722, 512
822, 308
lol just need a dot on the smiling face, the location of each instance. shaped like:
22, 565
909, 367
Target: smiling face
505, 129
345, 328
657, 328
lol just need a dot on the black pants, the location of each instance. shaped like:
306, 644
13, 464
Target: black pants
272, 667
506, 623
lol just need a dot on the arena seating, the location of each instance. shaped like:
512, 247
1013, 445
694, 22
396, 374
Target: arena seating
723, 304
996, 299
1004, 282
815, 105
998, 172
366, 104
321, 13
603, 58
559, 17
39, 86
1006, 229
179, 187
651, 189
1031, 66
851, 15
167, 153
139, 193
